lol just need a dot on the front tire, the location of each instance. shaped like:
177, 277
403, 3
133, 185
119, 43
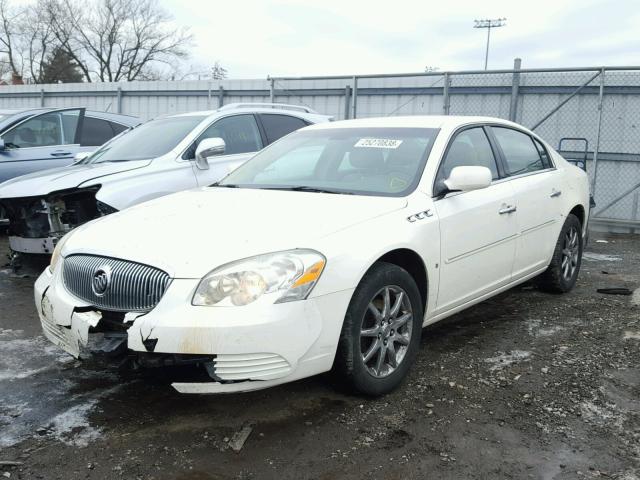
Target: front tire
381, 332
562, 274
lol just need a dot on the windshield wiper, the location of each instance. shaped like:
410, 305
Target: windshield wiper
306, 188
225, 185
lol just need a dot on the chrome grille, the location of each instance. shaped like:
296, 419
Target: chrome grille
133, 287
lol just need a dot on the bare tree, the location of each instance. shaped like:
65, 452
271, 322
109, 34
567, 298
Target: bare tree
25, 40
115, 40
218, 72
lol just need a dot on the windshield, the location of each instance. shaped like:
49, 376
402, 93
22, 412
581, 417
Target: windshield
149, 140
363, 161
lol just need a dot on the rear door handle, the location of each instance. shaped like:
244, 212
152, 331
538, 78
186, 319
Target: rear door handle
555, 193
59, 153
507, 209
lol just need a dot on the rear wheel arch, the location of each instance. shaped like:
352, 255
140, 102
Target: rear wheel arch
579, 212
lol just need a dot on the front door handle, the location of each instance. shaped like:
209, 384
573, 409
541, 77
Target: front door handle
507, 209
555, 193
59, 153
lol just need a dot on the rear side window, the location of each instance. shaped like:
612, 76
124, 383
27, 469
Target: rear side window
277, 126
469, 148
520, 152
95, 132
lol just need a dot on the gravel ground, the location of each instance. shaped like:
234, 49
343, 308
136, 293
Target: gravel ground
525, 385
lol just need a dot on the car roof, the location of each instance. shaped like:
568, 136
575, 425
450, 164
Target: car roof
128, 120
412, 121
259, 108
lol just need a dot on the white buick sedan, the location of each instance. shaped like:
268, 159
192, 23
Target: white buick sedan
329, 250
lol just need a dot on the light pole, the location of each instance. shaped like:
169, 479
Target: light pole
489, 24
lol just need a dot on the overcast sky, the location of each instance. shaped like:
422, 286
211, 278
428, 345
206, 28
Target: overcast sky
256, 38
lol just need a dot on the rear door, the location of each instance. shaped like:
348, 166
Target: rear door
537, 188
47, 140
478, 229
242, 138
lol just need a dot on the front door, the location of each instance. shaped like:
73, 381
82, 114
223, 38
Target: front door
41, 142
242, 140
478, 229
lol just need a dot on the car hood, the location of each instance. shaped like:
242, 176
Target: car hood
62, 178
190, 233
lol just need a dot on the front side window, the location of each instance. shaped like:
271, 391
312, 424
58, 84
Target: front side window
469, 148
521, 154
148, 141
239, 132
365, 161
277, 126
49, 129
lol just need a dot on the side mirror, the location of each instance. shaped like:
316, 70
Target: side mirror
208, 147
467, 178
2, 146
80, 156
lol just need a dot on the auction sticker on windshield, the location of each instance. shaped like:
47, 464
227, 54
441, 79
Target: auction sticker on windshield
377, 143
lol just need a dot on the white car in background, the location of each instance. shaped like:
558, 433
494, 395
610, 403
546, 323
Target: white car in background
161, 156
330, 249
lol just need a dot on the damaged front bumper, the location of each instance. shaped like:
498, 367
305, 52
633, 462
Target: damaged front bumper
244, 348
37, 223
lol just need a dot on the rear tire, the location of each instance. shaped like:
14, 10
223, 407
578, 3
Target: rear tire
381, 332
562, 274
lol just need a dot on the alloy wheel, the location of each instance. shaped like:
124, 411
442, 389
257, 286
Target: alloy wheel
570, 253
386, 330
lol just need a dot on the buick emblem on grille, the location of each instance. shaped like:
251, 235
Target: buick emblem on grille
101, 280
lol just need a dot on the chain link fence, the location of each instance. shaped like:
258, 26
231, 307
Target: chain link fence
591, 115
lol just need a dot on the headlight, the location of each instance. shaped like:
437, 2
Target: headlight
56, 255
279, 277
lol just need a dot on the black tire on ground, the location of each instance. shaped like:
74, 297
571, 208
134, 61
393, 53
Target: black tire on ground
563, 270
397, 329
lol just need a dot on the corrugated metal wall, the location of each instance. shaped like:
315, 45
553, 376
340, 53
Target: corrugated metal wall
476, 93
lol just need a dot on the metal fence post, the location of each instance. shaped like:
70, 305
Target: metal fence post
220, 96
354, 99
347, 101
446, 104
272, 90
119, 100
209, 96
515, 88
596, 150
42, 97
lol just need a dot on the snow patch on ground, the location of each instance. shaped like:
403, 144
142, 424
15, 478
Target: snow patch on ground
601, 414
41, 355
601, 257
534, 327
72, 427
29, 364
635, 298
506, 359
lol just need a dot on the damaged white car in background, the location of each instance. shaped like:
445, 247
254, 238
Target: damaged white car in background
162, 156
330, 249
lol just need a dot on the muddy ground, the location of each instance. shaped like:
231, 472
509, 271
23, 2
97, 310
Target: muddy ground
526, 385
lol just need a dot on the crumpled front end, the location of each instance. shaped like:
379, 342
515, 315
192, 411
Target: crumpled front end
235, 348
37, 223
